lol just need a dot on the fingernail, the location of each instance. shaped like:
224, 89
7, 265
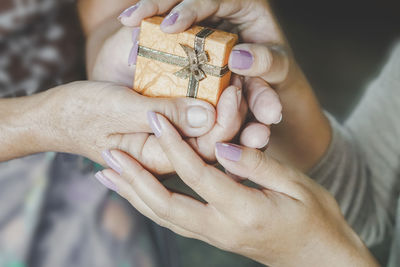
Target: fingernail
197, 116
105, 181
128, 12
170, 19
134, 51
228, 151
154, 123
111, 162
239, 98
241, 59
279, 120
135, 34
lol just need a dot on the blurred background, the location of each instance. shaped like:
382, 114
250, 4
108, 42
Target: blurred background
341, 46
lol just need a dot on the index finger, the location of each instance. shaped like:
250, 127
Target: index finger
183, 15
133, 15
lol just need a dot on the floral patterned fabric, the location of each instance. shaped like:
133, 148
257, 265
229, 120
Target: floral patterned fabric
52, 211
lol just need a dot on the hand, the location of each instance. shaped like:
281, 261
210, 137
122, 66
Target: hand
266, 61
88, 118
109, 57
288, 221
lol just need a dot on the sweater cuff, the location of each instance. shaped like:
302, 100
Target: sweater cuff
337, 146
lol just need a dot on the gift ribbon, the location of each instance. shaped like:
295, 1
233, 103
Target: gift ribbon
194, 65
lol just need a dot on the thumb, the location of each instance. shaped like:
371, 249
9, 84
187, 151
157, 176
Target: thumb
267, 61
127, 112
260, 168
191, 116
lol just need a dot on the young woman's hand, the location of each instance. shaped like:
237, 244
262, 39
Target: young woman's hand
265, 59
109, 56
87, 118
287, 221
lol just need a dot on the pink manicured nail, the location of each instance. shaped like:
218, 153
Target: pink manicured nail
128, 12
170, 19
154, 123
111, 162
228, 151
241, 59
134, 51
105, 181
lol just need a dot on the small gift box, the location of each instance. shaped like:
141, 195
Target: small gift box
193, 63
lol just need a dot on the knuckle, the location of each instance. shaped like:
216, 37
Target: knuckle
304, 189
112, 141
266, 60
259, 163
251, 221
131, 179
163, 211
195, 178
102, 142
152, 5
171, 110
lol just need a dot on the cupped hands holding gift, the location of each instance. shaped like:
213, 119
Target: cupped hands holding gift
288, 220
89, 117
110, 60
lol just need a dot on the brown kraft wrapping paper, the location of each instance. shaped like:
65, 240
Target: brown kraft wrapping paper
192, 63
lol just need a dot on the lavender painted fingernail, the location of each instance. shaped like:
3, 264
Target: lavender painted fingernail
105, 181
154, 123
134, 51
133, 55
228, 151
170, 19
128, 12
111, 162
241, 59
135, 34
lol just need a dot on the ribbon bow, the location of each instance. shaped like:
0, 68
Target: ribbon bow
195, 67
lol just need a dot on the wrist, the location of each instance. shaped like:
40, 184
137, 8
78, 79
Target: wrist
24, 126
344, 249
358, 253
304, 134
